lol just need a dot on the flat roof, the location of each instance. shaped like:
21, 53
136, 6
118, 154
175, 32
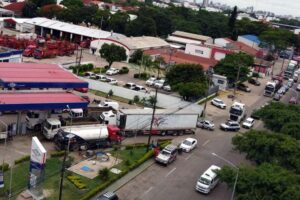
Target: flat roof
184, 111
191, 35
40, 101
33, 75
183, 40
71, 28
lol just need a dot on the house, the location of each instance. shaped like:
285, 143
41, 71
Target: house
16, 7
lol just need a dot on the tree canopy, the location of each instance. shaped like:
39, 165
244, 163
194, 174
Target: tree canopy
230, 64
266, 181
188, 79
112, 53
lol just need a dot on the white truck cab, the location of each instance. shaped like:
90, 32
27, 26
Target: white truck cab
108, 117
76, 113
109, 104
34, 119
208, 180
50, 128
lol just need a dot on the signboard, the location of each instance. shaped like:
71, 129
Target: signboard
36, 169
1, 180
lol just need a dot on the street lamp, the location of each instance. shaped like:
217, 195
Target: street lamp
237, 172
69, 136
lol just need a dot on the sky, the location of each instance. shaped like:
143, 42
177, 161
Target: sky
281, 7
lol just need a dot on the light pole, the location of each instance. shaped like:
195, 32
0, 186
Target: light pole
236, 81
237, 172
70, 136
210, 72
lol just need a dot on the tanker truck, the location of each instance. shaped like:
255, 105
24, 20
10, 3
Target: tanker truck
87, 137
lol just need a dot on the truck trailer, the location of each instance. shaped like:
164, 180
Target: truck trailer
87, 137
166, 121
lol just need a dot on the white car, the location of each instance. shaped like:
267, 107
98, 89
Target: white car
205, 124
218, 103
100, 77
188, 144
248, 123
112, 71
159, 83
150, 81
298, 87
167, 88
111, 81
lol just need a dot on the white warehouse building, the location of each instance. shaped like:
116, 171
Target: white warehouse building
130, 44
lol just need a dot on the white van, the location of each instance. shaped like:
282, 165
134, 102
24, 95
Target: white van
208, 180
76, 113
109, 104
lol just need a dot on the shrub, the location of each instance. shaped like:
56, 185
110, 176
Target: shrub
77, 182
137, 145
127, 162
116, 147
4, 166
124, 70
100, 70
110, 93
136, 99
69, 161
22, 159
104, 174
130, 102
143, 76
57, 154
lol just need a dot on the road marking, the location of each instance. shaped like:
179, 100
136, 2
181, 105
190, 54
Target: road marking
147, 191
170, 172
205, 143
188, 157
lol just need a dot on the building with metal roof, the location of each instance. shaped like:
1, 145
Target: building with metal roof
10, 55
43, 26
40, 101
130, 44
33, 75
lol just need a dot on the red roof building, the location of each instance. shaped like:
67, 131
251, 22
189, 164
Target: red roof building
16, 7
235, 45
179, 57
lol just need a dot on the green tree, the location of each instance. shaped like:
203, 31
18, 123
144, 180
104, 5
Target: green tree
29, 10
112, 53
266, 181
104, 174
141, 26
40, 3
70, 3
136, 57
118, 21
231, 23
229, 66
188, 79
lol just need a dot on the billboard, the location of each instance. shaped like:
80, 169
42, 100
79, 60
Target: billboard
36, 169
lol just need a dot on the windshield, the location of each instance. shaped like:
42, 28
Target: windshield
269, 88
186, 142
219, 101
204, 181
32, 115
47, 125
165, 153
236, 111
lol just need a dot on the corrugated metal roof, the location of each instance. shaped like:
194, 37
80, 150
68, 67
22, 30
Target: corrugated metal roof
33, 75
40, 101
71, 28
159, 111
191, 35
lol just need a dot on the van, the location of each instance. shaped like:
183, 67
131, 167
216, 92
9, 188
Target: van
167, 155
208, 180
109, 104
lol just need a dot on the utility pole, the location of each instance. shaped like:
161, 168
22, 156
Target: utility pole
78, 59
236, 81
152, 119
209, 74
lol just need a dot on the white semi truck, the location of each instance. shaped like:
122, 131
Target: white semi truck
271, 88
34, 119
87, 137
237, 112
166, 121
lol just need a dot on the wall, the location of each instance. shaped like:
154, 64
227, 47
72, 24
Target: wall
219, 56
220, 81
221, 42
201, 51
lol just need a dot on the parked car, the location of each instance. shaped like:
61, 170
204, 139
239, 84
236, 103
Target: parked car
218, 103
111, 81
290, 82
230, 126
108, 196
167, 88
167, 155
286, 87
130, 85
151, 81
100, 77
281, 91
243, 87
112, 71
295, 78
188, 144
298, 87
277, 97
248, 123
82, 90
293, 100
159, 83
254, 82
205, 124
140, 88
88, 74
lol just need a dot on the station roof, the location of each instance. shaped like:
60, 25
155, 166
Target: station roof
33, 75
40, 101
71, 28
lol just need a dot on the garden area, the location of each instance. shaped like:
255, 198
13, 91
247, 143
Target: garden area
76, 186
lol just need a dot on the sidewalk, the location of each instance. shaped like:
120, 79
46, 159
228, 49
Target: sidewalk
125, 179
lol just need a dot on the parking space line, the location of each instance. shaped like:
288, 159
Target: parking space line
205, 143
188, 157
147, 191
170, 172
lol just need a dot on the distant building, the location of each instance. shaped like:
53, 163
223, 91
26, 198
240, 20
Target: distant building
16, 8
205, 3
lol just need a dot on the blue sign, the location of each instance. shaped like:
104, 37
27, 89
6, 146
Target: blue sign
1, 180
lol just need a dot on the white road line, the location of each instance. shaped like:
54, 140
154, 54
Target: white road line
147, 191
188, 157
170, 172
205, 143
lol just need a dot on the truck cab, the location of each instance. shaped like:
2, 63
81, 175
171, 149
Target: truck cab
76, 113
50, 127
108, 117
237, 112
208, 180
35, 119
